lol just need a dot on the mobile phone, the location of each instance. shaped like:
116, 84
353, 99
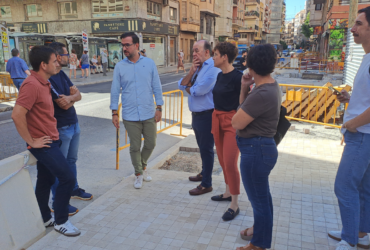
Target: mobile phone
336, 92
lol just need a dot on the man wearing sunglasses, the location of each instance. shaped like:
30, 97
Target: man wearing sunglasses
65, 94
138, 78
199, 84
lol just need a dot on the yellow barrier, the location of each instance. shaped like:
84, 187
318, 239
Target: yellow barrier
7, 89
172, 112
311, 62
312, 104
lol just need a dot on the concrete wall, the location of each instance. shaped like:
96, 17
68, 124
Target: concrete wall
224, 22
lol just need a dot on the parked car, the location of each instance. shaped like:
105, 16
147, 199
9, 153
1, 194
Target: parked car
237, 63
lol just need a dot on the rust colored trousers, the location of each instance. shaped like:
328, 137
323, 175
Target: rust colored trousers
227, 148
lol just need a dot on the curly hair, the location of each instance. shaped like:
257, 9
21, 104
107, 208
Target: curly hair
229, 49
262, 59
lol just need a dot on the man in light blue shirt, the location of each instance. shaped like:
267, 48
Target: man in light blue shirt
199, 84
104, 61
17, 69
138, 78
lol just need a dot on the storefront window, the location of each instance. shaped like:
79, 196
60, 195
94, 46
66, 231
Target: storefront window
154, 47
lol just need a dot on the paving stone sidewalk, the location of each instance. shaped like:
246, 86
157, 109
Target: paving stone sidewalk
163, 216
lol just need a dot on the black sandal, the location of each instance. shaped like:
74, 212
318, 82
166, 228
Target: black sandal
220, 198
230, 214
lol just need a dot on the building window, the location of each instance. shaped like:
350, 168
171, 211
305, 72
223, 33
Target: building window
153, 10
194, 13
67, 10
173, 15
5, 12
209, 26
33, 12
184, 11
107, 6
318, 6
201, 24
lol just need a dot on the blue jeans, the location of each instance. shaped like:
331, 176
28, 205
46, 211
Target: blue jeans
352, 186
70, 137
258, 158
18, 83
202, 126
52, 164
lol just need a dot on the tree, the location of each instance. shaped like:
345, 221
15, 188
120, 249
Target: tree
285, 46
306, 29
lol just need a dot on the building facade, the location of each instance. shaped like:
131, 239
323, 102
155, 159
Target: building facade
208, 16
274, 36
224, 22
156, 22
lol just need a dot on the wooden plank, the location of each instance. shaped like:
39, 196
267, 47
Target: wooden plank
312, 107
307, 100
335, 106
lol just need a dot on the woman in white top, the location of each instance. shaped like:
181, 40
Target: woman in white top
93, 64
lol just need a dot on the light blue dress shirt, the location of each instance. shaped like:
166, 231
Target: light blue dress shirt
139, 82
201, 97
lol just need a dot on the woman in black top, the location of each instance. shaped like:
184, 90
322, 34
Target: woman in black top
256, 123
226, 95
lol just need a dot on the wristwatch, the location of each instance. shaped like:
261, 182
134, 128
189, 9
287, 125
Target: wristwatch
159, 108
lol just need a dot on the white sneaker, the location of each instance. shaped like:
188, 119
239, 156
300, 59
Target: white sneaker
362, 242
343, 245
50, 222
138, 181
67, 229
147, 176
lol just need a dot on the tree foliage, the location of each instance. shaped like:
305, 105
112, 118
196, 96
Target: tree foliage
306, 29
285, 46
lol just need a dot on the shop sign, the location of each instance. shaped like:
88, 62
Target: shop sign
35, 27
221, 39
134, 26
85, 40
152, 46
5, 41
337, 24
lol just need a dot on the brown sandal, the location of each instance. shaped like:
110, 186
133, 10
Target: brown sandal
246, 237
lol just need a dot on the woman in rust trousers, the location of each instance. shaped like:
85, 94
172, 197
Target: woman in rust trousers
226, 95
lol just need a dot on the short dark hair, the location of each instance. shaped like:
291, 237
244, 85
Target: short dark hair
39, 54
58, 47
229, 49
73, 51
135, 38
367, 13
262, 59
244, 51
15, 52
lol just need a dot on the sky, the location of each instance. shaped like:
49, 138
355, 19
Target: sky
293, 7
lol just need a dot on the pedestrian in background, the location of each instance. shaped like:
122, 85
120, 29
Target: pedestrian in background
94, 65
182, 55
199, 84
33, 116
73, 64
65, 95
85, 64
99, 65
352, 183
226, 94
243, 61
17, 69
180, 63
256, 123
136, 78
104, 60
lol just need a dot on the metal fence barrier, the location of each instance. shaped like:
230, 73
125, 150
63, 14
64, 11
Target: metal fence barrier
172, 115
7, 89
313, 104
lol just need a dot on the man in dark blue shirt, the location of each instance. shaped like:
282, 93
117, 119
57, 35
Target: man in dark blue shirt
65, 94
17, 68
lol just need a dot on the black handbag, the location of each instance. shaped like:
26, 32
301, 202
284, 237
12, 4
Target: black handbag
283, 126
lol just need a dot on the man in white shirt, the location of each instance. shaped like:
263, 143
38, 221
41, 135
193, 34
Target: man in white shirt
352, 184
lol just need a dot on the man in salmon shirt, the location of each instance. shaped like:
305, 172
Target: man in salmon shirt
33, 116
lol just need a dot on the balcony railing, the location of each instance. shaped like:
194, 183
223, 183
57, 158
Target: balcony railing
346, 2
252, 13
235, 2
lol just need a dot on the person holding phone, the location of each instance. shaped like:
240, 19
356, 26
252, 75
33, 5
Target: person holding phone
136, 78
352, 183
199, 83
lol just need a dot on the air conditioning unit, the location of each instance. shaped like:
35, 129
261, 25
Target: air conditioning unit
165, 2
14, 29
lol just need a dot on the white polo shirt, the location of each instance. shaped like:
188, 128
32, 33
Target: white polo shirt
360, 98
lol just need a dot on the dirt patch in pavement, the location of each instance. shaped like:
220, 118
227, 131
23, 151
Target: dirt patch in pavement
188, 162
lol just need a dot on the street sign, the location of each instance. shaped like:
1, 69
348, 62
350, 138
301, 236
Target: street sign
85, 40
5, 41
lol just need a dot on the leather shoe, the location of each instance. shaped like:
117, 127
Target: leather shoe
198, 177
200, 190
230, 214
220, 198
